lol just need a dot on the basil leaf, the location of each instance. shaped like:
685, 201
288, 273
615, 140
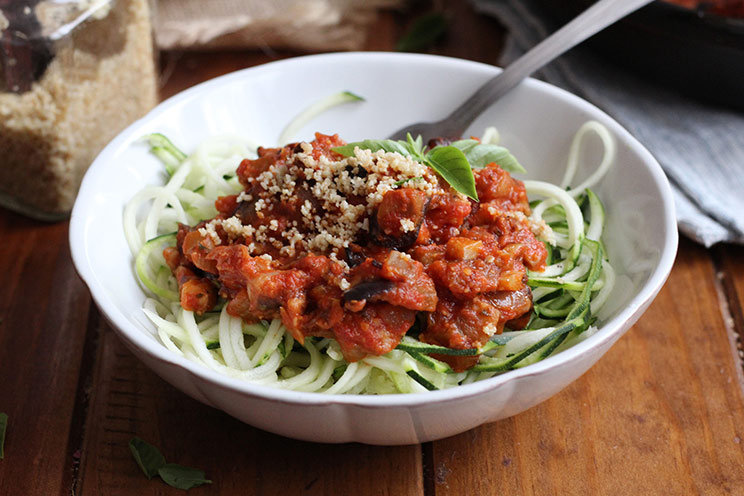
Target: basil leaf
147, 456
3, 426
450, 163
375, 145
182, 477
479, 155
424, 32
416, 145
465, 145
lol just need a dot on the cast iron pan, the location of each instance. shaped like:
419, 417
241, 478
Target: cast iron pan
693, 51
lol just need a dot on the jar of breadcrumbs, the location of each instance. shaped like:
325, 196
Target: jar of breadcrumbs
73, 74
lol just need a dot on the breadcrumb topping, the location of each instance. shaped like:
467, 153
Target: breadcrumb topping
542, 231
407, 225
339, 197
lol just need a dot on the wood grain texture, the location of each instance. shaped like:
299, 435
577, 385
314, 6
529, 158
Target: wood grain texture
43, 312
731, 274
130, 400
662, 413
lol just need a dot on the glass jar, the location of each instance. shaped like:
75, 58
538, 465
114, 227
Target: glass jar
73, 74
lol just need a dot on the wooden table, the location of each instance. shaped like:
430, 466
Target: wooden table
661, 413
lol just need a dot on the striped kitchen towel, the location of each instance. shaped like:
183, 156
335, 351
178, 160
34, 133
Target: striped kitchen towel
700, 148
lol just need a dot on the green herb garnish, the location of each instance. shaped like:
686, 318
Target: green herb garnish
424, 32
479, 155
376, 145
453, 166
3, 426
152, 462
448, 161
182, 477
147, 456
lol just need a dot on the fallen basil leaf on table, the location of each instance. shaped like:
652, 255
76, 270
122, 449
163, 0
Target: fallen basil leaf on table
152, 462
182, 477
424, 32
3, 426
147, 456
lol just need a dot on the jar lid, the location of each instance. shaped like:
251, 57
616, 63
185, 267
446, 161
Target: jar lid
28, 30
48, 19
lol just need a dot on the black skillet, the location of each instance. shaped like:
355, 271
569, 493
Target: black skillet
695, 52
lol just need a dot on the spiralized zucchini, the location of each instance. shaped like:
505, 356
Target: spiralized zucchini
567, 295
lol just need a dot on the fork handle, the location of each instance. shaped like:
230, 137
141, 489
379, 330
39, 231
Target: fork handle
597, 17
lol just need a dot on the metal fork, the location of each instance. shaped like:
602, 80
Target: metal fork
591, 21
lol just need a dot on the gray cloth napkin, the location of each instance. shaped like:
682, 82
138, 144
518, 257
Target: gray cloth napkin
700, 148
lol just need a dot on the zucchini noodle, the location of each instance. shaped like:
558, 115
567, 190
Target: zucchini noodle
314, 110
567, 296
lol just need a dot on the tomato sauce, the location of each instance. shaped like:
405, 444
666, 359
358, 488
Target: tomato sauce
421, 260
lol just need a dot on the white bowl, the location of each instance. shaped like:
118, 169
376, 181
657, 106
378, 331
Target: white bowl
537, 122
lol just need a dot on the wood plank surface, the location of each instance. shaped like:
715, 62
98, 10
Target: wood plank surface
130, 400
43, 316
731, 274
661, 413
